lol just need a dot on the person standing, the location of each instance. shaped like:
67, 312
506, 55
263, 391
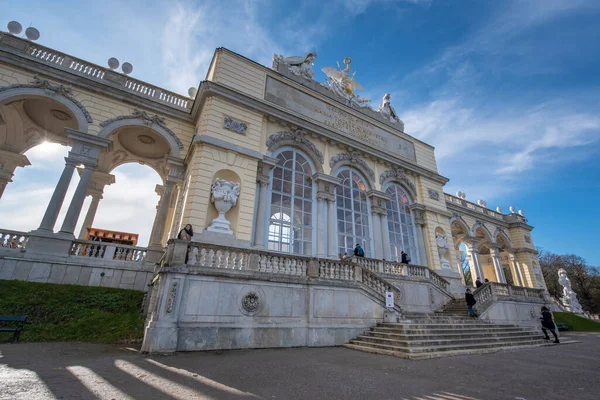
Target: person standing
470, 299
548, 324
404, 258
358, 251
478, 283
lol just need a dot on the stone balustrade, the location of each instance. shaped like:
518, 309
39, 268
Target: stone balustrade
108, 251
94, 72
493, 291
472, 206
13, 240
336, 270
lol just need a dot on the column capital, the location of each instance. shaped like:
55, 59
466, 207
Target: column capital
176, 170
263, 170
378, 201
98, 182
85, 147
326, 185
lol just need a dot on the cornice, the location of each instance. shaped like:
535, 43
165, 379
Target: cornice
208, 89
476, 215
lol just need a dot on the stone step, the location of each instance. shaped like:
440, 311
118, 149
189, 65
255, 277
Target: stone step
447, 347
436, 336
433, 325
452, 331
438, 342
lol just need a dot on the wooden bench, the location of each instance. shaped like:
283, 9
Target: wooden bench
18, 325
561, 326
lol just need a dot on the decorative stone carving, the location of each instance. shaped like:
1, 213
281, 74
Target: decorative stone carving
297, 136
224, 195
482, 203
148, 120
527, 238
353, 160
511, 209
235, 126
297, 65
461, 195
499, 209
340, 82
400, 175
66, 92
171, 298
569, 297
388, 112
251, 303
433, 194
442, 244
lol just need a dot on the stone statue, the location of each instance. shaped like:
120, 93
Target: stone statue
297, 65
442, 244
343, 84
387, 111
224, 195
569, 298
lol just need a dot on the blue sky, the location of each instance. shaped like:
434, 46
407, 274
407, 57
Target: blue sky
507, 91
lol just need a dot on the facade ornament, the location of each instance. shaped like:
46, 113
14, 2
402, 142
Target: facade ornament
527, 238
171, 298
354, 160
521, 213
482, 203
433, 194
499, 209
461, 195
511, 209
235, 125
148, 120
297, 65
442, 245
297, 136
251, 303
64, 91
569, 297
400, 175
340, 82
224, 195
388, 112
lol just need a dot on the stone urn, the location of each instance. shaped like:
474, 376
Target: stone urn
224, 195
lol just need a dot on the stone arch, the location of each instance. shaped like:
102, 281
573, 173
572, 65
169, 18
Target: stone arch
403, 182
353, 161
296, 139
500, 233
486, 232
233, 214
44, 89
155, 168
458, 220
143, 119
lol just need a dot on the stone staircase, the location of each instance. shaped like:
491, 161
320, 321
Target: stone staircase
451, 332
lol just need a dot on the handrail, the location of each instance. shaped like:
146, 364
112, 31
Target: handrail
493, 291
108, 251
16, 240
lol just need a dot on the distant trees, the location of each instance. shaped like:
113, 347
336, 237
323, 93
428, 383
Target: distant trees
585, 279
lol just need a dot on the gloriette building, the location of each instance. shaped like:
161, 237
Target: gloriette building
280, 176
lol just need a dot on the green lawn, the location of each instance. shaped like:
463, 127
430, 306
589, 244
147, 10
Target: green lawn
576, 323
73, 313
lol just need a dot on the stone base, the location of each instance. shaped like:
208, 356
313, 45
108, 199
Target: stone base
222, 239
391, 316
41, 241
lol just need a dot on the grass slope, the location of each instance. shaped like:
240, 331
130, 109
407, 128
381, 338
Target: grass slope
73, 313
576, 323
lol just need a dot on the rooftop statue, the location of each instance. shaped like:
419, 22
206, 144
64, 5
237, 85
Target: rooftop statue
297, 65
343, 84
388, 112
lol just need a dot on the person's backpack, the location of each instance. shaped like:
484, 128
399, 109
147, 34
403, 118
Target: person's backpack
360, 252
408, 258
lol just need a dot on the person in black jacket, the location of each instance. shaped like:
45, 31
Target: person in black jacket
404, 258
478, 283
470, 299
548, 324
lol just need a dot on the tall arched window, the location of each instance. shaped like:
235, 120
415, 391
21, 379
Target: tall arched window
352, 213
400, 224
290, 225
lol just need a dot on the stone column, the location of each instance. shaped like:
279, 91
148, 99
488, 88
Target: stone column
74, 210
263, 177
419, 220
89, 216
326, 215
515, 269
473, 254
8, 163
56, 201
385, 236
495, 255
332, 244
96, 190
161, 216
378, 201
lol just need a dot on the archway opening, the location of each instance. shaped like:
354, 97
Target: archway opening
460, 231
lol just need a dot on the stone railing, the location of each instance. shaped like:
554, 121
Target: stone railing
212, 256
493, 291
13, 240
108, 251
333, 270
94, 72
394, 268
472, 206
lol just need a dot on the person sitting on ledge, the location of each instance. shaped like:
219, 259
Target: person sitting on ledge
478, 283
186, 233
405, 258
358, 251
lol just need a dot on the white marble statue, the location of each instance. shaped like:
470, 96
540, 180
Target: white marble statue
224, 195
387, 111
442, 244
297, 65
343, 84
569, 298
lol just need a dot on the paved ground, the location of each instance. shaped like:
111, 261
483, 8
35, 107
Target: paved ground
85, 371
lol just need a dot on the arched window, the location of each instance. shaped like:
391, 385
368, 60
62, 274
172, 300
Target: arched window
290, 224
400, 224
352, 213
